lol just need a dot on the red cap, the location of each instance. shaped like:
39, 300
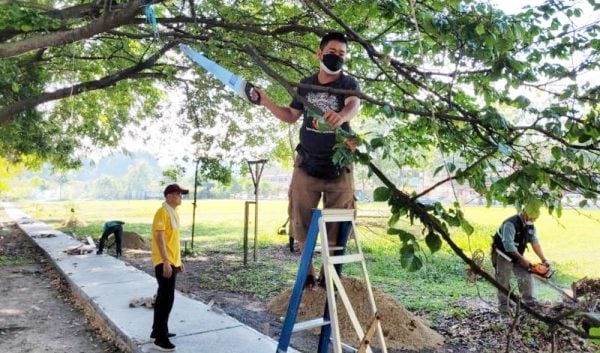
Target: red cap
175, 188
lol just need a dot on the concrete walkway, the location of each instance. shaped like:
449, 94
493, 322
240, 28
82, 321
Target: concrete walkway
109, 285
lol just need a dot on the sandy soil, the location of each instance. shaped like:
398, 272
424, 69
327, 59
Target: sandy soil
37, 312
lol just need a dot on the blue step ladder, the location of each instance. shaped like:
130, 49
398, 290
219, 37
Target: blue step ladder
332, 266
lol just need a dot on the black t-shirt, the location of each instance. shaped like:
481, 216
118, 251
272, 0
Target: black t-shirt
312, 140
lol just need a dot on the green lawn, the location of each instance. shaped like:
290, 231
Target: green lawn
571, 243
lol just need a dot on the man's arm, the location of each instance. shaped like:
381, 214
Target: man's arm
520, 259
538, 251
286, 114
351, 108
159, 238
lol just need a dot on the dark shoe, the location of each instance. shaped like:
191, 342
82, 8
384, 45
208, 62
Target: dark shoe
99, 252
310, 282
165, 346
321, 282
153, 336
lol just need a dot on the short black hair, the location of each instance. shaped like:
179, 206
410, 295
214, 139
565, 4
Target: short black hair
338, 36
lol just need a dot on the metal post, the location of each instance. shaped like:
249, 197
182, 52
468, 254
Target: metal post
256, 174
255, 220
194, 204
246, 207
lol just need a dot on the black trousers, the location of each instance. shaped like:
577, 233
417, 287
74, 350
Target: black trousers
165, 296
117, 230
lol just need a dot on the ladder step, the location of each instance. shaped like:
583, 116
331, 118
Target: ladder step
348, 347
310, 324
344, 259
337, 215
318, 249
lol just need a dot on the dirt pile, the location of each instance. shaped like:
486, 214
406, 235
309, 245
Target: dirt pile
401, 329
131, 240
585, 286
74, 222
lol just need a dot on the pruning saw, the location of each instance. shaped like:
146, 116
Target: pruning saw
237, 83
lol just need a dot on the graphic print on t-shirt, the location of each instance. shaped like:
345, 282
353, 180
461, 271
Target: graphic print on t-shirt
325, 102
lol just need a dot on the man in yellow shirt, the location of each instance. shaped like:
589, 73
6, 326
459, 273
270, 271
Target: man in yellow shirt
166, 258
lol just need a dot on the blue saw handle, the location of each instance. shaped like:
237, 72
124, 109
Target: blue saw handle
248, 90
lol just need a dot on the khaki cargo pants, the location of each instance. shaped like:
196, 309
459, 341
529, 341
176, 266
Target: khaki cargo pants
504, 267
306, 192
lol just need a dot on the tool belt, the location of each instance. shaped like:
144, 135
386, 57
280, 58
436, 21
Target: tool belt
319, 166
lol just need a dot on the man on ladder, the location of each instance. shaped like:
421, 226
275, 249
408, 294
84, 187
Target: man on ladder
315, 174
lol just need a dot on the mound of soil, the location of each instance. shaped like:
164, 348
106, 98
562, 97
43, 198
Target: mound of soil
74, 222
131, 240
401, 329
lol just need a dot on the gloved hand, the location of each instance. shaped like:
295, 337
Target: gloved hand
546, 263
541, 270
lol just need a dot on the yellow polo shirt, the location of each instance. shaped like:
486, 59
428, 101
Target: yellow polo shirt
162, 221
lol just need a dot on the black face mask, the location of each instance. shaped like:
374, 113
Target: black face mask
333, 62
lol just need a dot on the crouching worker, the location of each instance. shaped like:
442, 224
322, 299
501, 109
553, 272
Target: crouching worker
112, 227
510, 242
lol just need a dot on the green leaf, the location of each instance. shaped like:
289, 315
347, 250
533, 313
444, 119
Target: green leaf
433, 241
556, 152
559, 209
388, 110
522, 102
451, 167
405, 236
480, 29
532, 207
15, 87
466, 226
393, 219
382, 193
377, 142
408, 259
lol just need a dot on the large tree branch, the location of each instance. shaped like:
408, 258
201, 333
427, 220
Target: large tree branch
7, 114
265, 30
104, 23
72, 12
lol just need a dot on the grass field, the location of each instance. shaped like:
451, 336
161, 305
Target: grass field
572, 244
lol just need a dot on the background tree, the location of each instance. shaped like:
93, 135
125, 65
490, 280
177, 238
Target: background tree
139, 180
8, 171
106, 188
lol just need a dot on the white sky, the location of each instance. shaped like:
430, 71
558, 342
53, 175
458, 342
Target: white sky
514, 6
